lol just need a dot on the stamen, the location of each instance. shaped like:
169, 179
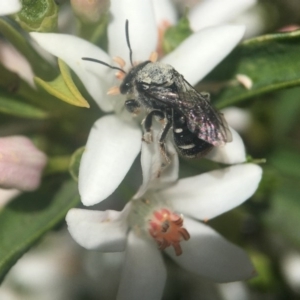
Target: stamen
177, 248
120, 75
115, 90
153, 56
164, 25
120, 61
166, 228
184, 233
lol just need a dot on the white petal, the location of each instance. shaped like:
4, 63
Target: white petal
154, 175
290, 266
202, 51
214, 12
165, 12
144, 274
111, 149
210, 194
255, 21
208, 254
9, 7
105, 269
96, 78
237, 118
99, 230
234, 291
232, 153
142, 30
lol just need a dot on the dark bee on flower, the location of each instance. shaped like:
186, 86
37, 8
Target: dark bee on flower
196, 126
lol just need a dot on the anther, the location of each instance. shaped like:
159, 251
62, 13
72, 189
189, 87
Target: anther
166, 229
115, 90
120, 61
120, 75
153, 56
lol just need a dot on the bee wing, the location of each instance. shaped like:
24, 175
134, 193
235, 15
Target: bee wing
163, 95
201, 117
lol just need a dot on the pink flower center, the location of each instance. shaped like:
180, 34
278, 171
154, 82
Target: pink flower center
166, 228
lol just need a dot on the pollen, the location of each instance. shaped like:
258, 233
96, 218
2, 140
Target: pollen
166, 229
115, 90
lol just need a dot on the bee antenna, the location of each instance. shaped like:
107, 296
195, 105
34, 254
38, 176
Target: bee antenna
128, 41
102, 63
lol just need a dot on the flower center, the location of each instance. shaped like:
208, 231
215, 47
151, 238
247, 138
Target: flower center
166, 228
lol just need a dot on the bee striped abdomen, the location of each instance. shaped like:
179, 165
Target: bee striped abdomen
187, 143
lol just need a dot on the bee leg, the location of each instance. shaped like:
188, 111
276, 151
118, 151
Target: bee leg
148, 124
162, 144
132, 106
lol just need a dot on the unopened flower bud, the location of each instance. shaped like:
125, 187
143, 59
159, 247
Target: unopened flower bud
90, 10
21, 163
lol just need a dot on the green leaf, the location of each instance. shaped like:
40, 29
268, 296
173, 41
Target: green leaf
286, 161
285, 113
175, 35
13, 86
272, 62
266, 279
75, 163
26, 219
12, 106
283, 216
63, 87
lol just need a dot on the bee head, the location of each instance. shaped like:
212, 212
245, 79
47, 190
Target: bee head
127, 85
129, 78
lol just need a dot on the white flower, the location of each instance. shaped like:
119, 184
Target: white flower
9, 7
114, 142
155, 220
214, 12
165, 13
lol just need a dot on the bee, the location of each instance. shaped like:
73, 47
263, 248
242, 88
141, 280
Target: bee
196, 125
